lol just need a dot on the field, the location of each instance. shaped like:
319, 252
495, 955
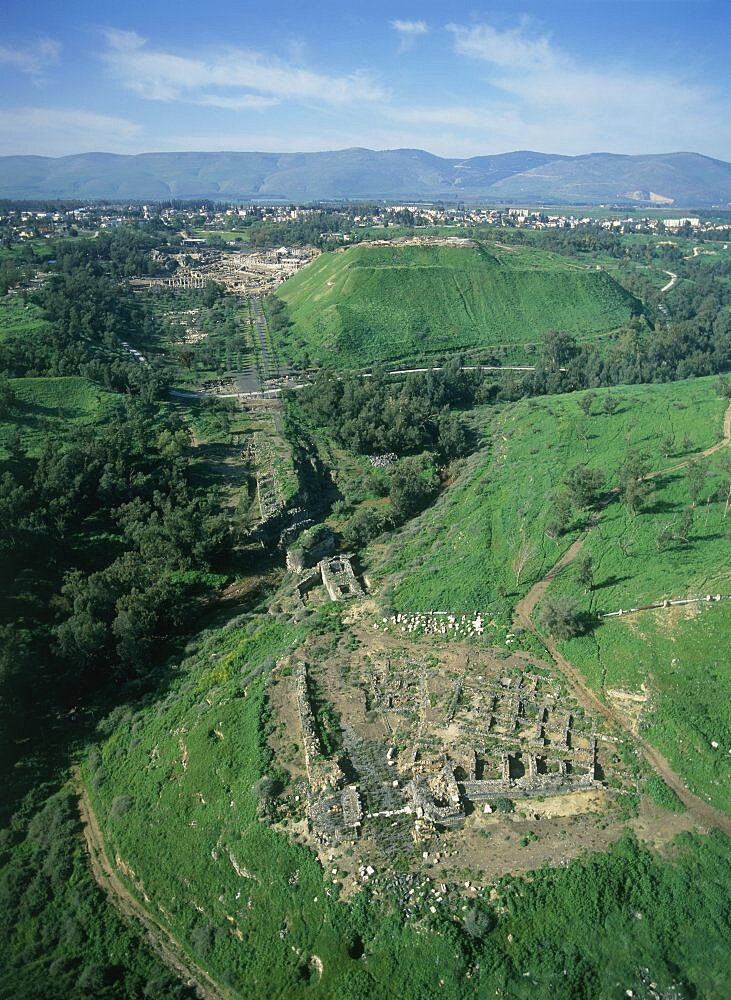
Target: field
175, 785
46, 406
370, 304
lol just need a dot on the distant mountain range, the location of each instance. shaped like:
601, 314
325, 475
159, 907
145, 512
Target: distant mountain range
678, 179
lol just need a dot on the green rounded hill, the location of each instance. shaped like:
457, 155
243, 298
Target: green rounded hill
385, 303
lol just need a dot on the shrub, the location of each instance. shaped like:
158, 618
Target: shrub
121, 805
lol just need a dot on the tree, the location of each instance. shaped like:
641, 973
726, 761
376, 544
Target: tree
586, 402
451, 436
561, 510
365, 525
478, 922
667, 445
585, 572
633, 485
584, 485
413, 485
610, 404
562, 618
686, 524
664, 537
558, 348
7, 396
14, 443
696, 478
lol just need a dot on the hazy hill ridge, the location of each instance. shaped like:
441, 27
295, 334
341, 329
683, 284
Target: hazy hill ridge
685, 179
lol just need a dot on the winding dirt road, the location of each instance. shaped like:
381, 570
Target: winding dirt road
159, 939
705, 813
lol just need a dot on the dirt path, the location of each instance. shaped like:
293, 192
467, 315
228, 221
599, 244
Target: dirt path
522, 617
158, 937
524, 609
704, 813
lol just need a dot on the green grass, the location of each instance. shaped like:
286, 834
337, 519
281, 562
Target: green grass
19, 318
677, 653
176, 827
369, 304
458, 556
242, 236
46, 406
682, 658
629, 571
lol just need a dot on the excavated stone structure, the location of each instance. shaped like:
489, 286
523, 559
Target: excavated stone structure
339, 578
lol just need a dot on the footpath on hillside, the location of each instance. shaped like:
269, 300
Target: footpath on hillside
158, 937
523, 618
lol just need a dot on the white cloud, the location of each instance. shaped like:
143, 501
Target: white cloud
410, 27
541, 97
408, 32
509, 49
33, 58
247, 102
62, 131
246, 78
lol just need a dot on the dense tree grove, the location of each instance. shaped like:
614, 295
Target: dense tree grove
112, 513
104, 537
699, 345
371, 415
89, 317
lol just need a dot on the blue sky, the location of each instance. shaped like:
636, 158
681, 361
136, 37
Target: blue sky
624, 76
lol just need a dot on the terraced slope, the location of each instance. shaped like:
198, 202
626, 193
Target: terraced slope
369, 304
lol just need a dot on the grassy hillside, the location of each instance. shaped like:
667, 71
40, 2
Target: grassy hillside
175, 786
461, 556
369, 304
18, 317
675, 660
48, 405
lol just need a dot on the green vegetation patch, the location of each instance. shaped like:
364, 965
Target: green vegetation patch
485, 539
656, 789
680, 655
47, 406
369, 304
60, 935
18, 317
